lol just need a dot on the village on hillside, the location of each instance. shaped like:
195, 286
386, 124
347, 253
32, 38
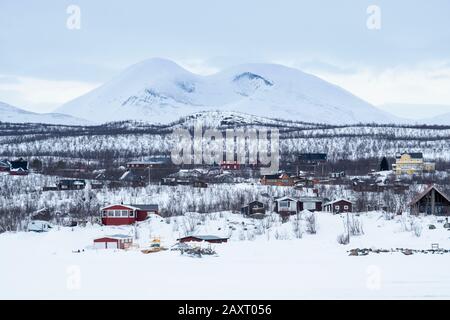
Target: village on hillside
307, 186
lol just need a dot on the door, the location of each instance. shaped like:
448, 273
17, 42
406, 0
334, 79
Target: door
112, 245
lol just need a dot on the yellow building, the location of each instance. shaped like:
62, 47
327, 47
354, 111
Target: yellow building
412, 163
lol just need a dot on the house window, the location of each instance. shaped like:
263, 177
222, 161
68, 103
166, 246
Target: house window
105, 213
345, 207
284, 204
124, 213
131, 214
117, 213
309, 205
111, 213
336, 208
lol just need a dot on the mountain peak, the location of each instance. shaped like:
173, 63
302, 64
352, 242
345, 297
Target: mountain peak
157, 65
159, 90
9, 113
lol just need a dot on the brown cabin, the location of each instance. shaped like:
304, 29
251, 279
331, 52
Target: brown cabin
338, 206
281, 180
431, 201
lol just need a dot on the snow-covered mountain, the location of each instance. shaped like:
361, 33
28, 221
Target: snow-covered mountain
160, 91
9, 113
442, 119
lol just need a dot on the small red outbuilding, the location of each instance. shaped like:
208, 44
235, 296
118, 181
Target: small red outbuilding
117, 241
123, 214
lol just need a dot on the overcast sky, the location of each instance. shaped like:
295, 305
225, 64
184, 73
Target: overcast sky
402, 65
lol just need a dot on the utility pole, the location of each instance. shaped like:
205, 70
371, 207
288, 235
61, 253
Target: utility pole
348, 227
149, 180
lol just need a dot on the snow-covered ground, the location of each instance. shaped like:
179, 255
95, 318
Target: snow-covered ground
265, 261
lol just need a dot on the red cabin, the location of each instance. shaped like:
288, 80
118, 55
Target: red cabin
123, 214
230, 165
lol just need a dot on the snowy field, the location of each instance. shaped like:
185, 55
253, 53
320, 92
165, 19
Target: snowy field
263, 260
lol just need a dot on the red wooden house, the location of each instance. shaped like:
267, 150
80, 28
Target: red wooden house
230, 165
123, 214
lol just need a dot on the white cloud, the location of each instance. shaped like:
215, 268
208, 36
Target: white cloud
40, 95
421, 84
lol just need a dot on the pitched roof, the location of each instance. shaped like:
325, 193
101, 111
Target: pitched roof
118, 236
310, 199
150, 207
72, 181
312, 156
205, 237
285, 198
155, 160
274, 176
337, 200
4, 163
19, 164
426, 191
271, 176
413, 155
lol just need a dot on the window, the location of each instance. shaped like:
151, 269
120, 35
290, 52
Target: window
111, 213
336, 208
345, 207
284, 204
309, 205
117, 213
131, 213
105, 213
124, 213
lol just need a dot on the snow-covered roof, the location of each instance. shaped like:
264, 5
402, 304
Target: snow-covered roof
149, 207
428, 189
118, 204
286, 198
337, 200
118, 236
310, 199
205, 237
41, 222
145, 206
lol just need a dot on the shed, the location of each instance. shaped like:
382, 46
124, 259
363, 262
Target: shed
71, 184
254, 208
201, 238
117, 241
310, 203
338, 206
